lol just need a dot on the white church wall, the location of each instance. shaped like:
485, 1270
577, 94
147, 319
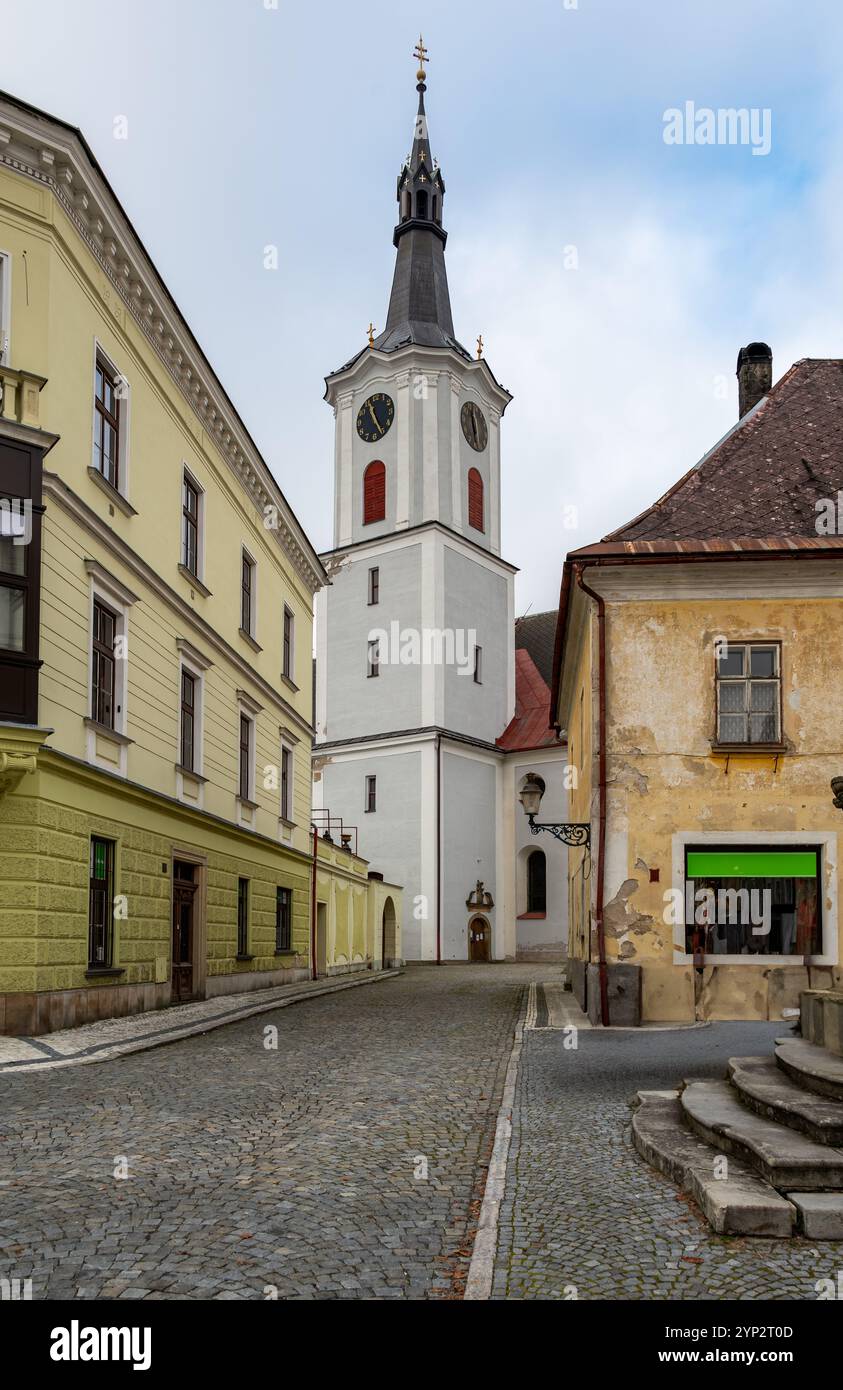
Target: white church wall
541, 938
468, 844
476, 600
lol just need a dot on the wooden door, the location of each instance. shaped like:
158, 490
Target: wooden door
479, 940
184, 893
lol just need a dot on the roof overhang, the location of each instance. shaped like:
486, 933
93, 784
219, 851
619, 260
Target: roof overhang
438, 359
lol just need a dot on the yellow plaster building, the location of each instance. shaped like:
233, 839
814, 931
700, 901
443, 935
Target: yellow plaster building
156, 595
697, 674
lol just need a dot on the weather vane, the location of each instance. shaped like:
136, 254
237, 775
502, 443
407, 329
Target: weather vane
371, 332
420, 52
480, 347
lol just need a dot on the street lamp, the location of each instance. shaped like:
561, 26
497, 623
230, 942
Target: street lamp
837, 788
576, 833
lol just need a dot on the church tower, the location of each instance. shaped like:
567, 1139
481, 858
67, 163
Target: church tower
415, 663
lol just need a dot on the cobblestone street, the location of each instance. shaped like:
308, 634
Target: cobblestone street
249, 1168
585, 1217
299, 1171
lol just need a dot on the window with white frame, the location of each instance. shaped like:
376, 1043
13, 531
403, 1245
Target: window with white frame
749, 693
248, 574
288, 644
108, 649
286, 783
111, 423
246, 747
192, 508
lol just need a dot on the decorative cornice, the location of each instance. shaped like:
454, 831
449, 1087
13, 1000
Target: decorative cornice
56, 155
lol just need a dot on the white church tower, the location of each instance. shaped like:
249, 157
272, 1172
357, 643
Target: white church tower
415, 655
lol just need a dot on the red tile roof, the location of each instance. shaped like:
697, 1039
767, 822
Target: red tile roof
530, 726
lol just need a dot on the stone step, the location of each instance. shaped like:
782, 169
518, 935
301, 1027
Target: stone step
740, 1204
819, 1215
765, 1088
784, 1157
811, 1066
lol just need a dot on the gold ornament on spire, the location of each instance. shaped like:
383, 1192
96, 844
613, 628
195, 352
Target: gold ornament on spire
420, 52
371, 332
479, 347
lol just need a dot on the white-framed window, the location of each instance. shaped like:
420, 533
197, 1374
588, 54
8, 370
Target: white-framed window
108, 666
5, 308
749, 693
286, 781
478, 665
246, 756
248, 593
192, 553
288, 644
112, 396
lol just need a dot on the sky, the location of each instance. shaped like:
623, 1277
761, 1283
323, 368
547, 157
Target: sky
613, 275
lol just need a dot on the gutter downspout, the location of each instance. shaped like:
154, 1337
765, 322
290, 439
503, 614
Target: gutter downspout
313, 963
601, 838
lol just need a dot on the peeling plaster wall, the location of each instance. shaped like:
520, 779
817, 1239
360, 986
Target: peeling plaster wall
664, 779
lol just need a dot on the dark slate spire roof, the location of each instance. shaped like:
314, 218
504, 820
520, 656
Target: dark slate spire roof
420, 305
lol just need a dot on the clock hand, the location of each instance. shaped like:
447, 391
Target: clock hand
375, 418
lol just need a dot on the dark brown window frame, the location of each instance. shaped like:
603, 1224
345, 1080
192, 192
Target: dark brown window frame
247, 593
189, 682
287, 643
103, 659
374, 585
190, 525
245, 746
283, 920
371, 793
103, 416
373, 658
242, 917
286, 783
101, 907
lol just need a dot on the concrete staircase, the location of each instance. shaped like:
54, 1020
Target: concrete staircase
761, 1152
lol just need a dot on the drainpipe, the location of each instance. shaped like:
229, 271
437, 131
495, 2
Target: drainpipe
601, 837
438, 850
313, 965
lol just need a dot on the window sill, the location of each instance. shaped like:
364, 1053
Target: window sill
531, 917
747, 747
287, 824
111, 492
243, 958
188, 772
249, 805
247, 637
193, 581
290, 952
103, 972
290, 684
107, 732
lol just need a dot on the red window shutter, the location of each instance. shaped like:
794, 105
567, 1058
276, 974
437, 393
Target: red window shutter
374, 492
475, 500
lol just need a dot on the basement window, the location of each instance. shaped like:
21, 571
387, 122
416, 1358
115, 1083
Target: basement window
754, 901
749, 694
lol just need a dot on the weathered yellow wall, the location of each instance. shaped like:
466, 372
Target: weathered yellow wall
664, 777
580, 721
354, 910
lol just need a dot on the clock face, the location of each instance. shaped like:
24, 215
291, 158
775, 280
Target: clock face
474, 426
375, 417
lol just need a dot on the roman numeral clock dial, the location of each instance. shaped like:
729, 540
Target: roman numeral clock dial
375, 417
474, 426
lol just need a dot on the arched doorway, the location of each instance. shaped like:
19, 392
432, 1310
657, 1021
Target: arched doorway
479, 939
388, 944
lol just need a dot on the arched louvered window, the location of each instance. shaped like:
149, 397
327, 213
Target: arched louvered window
537, 882
421, 203
475, 500
374, 492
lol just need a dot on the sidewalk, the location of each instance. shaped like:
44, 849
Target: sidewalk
113, 1037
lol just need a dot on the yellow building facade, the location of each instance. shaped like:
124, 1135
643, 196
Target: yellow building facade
156, 595
699, 648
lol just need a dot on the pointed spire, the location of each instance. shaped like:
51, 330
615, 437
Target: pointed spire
420, 305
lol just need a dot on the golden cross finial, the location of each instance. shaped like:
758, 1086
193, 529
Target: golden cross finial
480, 347
371, 332
420, 52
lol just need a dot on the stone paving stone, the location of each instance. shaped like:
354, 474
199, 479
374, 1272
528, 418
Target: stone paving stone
251, 1168
585, 1217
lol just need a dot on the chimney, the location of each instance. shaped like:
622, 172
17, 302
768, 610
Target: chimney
755, 375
